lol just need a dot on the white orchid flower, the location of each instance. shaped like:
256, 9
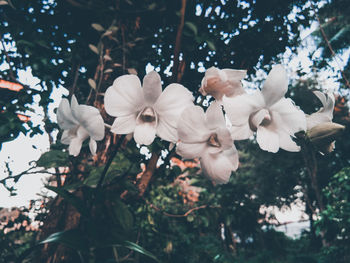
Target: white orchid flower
205, 136
325, 114
146, 111
79, 122
220, 82
274, 118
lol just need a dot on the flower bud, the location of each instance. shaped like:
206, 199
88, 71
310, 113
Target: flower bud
323, 135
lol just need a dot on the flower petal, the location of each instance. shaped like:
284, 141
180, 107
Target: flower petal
234, 74
286, 142
169, 106
152, 87
267, 138
192, 126
275, 86
214, 116
325, 114
75, 146
90, 118
145, 132
239, 108
166, 131
66, 137
241, 132
93, 146
190, 150
218, 167
224, 138
124, 97
289, 117
124, 124
65, 118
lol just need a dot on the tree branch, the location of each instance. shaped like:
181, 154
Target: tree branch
178, 43
347, 83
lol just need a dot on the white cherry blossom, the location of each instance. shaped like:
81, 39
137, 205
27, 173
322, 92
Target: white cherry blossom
274, 118
220, 82
205, 136
146, 111
79, 122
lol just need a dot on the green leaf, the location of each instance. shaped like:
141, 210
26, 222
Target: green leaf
72, 199
122, 214
71, 238
211, 45
192, 27
135, 247
53, 158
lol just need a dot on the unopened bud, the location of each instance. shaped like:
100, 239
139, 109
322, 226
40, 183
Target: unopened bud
323, 135
325, 131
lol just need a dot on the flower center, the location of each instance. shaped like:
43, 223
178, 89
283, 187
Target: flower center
148, 115
261, 117
214, 141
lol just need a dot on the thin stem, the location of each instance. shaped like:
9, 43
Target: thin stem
109, 162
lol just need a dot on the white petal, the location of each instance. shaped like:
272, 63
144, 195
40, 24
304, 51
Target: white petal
169, 106
218, 167
267, 138
166, 131
124, 124
214, 116
74, 104
239, 108
192, 126
65, 118
66, 137
190, 150
145, 133
75, 146
124, 97
171, 103
325, 114
224, 138
286, 142
290, 118
241, 132
82, 133
90, 118
275, 86
93, 146
235, 74
152, 87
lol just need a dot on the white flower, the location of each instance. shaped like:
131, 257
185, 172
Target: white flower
206, 136
325, 114
220, 82
274, 118
321, 131
79, 122
146, 111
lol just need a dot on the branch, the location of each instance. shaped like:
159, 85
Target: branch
347, 83
147, 174
183, 215
178, 43
109, 162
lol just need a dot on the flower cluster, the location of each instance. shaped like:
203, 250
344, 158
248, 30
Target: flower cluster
145, 111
